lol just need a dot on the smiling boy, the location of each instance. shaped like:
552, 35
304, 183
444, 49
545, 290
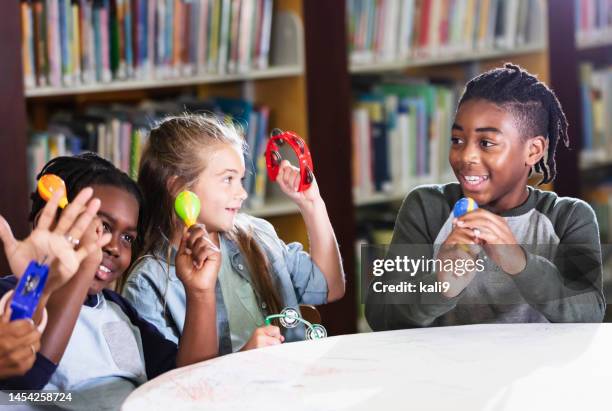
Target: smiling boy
541, 251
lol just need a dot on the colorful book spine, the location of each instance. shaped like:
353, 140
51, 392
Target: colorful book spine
27, 45
71, 42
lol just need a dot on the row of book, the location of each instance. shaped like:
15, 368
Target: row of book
593, 20
596, 98
401, 135
71, 42
119, 134
392, 30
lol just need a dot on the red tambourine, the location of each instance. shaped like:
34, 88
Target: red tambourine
273, 157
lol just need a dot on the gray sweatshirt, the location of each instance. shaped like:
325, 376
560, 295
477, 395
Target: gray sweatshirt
562, 281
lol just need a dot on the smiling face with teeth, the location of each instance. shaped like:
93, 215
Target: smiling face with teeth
489, 156
119, 215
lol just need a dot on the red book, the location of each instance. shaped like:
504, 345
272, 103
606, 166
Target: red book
446, 6
424, 26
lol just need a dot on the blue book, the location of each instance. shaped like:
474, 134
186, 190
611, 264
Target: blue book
97, 34
128, 43
261, 139
251, 154
143, 36
379, 139
422, 137
587, 108
239, 110
169, 23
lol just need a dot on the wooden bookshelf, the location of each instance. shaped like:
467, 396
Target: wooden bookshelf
120, 86
603, 41
286, 60
450, 59
312, 98
567, 50
14, 204
300, 89
458, 67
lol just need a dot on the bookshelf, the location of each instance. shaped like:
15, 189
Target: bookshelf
454, 57
375, 210
274, 72
286, 60
570, 48
14, 194
291, 87
446, 59
582, 173
310, 94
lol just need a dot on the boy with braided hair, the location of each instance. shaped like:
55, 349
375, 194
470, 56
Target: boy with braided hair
540, 252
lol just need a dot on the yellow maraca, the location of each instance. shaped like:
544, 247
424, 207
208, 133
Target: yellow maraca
49, 184
187, 206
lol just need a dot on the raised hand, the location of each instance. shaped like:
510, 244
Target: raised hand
289, 180
54, 244
198, 260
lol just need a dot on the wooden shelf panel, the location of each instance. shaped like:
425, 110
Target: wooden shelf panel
586, 41
273, 72
447, 59
399, 195
273, 208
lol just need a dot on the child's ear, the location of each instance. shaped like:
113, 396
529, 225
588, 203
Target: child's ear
537, 147
173, 185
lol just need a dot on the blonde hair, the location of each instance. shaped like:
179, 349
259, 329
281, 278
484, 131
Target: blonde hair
175, 151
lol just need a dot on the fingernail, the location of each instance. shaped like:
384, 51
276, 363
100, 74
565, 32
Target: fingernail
460, 223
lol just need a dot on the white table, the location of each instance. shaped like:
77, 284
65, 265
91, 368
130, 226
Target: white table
479, 367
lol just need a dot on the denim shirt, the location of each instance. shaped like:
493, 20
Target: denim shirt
159, 296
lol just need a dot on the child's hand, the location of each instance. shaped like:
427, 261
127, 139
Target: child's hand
289, 181
198, 260
498, 240
19, 342
464, 239
459, 245
55, 247
263, 337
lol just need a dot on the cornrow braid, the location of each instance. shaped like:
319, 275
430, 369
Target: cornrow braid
81, 171
535, 107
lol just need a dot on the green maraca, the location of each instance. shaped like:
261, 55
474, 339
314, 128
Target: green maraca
187, 206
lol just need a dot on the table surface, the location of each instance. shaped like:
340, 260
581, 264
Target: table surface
476, 367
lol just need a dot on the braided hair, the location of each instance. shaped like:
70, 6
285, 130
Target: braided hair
82, 171
536, 109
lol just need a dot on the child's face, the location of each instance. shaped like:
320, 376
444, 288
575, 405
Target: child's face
488, 155
119, 215
220, 189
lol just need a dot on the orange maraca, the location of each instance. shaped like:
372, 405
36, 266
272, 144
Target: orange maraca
49, 184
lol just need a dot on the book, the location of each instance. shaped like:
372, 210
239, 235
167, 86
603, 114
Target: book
71, 42
405, 30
